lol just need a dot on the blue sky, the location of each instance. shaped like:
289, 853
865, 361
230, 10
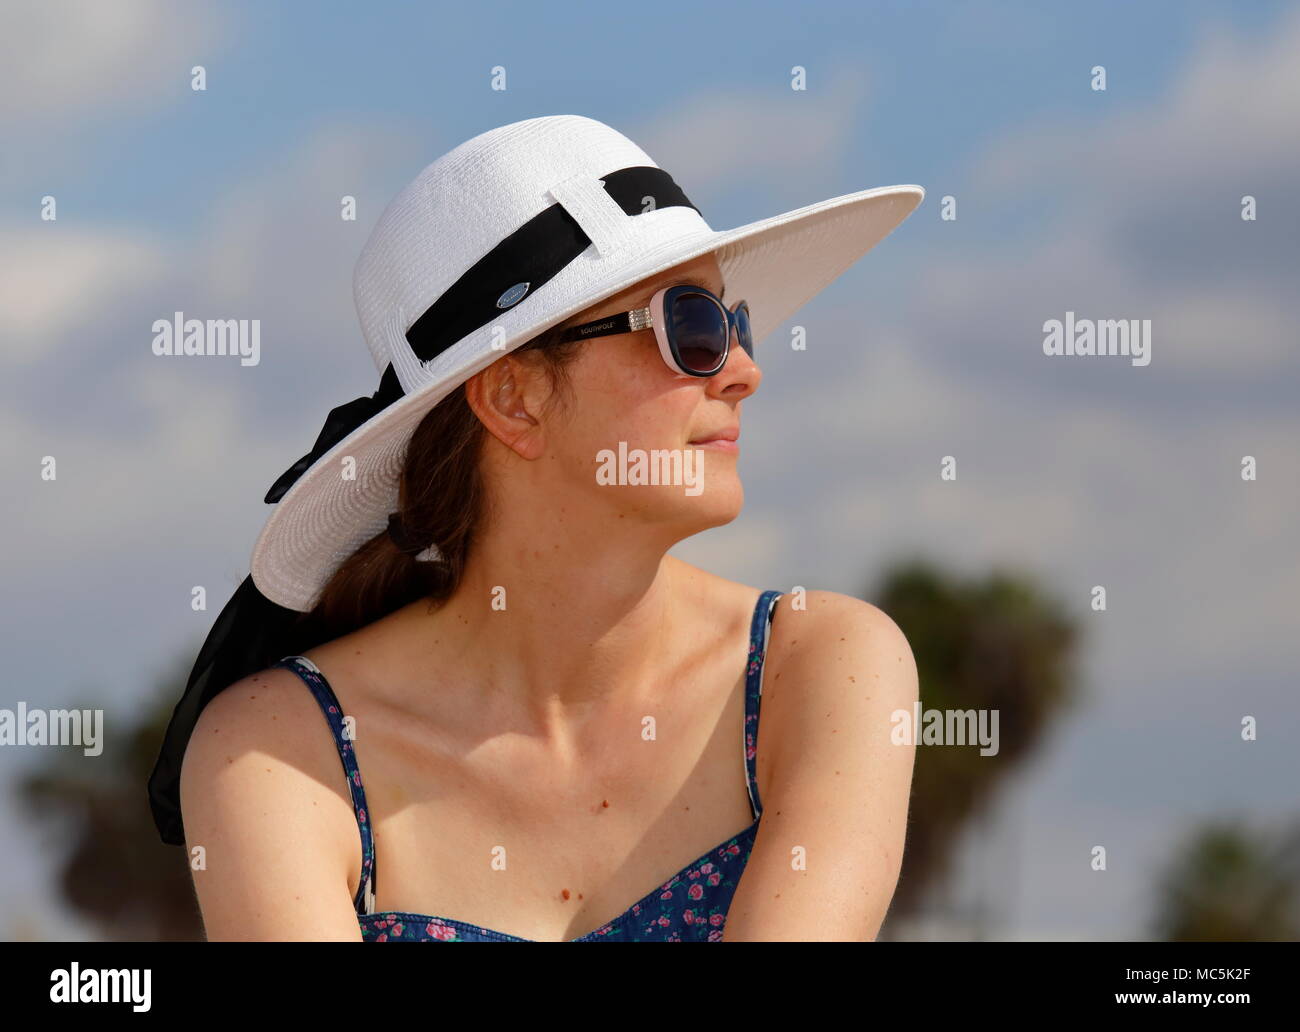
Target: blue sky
1122, 203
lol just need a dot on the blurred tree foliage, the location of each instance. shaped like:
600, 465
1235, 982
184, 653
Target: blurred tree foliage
988, 643
114, 869
1228, 884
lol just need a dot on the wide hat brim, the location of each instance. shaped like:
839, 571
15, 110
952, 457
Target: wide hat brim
777, 264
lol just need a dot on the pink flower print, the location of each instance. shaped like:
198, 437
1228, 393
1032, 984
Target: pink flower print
705, 868
715, 878
733, 849
663, 922
666, 894
397, 928
636, 908
688, 916
334, 709
361, 814
693, 874
356, 777
696, 891
716, 920
715, 936
438, 930
381, 937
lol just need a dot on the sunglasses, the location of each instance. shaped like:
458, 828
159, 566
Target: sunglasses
692, 326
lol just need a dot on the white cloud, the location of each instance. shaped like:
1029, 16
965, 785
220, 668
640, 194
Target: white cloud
271, 249
68, 59
59, 278
997, 299
1147, 224
1233, 110
131, 487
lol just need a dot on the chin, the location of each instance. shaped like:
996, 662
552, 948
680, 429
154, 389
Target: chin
717, 505
713, 501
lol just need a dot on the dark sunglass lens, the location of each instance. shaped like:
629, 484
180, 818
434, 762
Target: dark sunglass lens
699, 329
743, 332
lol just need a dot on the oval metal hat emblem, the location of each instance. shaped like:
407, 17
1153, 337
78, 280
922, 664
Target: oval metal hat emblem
512, 296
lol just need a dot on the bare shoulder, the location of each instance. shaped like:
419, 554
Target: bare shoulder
263, 793
269, 712
814, 624
830, 652
838, 784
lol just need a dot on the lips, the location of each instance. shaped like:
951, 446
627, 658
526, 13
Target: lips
727, 434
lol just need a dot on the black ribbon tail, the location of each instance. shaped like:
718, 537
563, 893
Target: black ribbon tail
251, 634
340, 422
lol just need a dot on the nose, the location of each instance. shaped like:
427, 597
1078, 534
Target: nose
739, 376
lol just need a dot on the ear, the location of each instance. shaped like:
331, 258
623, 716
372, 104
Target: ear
507, 397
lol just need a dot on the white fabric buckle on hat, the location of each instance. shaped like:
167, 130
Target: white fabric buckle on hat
585, 198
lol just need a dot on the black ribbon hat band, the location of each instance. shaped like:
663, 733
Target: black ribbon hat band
532, 254
253, 632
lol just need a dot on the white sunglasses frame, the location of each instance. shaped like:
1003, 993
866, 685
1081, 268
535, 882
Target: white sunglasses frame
637, 319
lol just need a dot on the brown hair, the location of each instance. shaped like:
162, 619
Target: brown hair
440, 502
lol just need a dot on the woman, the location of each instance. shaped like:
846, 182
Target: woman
536, 710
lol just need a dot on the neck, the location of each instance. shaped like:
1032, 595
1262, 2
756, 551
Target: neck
553, 634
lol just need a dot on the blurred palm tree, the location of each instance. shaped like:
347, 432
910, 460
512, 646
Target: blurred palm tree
115, 870
988, 643
1227, 884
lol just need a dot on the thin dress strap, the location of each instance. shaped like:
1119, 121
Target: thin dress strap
758, 634
329, 704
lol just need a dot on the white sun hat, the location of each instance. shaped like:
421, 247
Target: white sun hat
507, 235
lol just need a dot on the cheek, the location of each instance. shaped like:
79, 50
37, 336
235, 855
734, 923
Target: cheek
627, 394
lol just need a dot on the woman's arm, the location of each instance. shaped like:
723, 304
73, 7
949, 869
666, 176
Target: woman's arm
264, 794
838, 792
